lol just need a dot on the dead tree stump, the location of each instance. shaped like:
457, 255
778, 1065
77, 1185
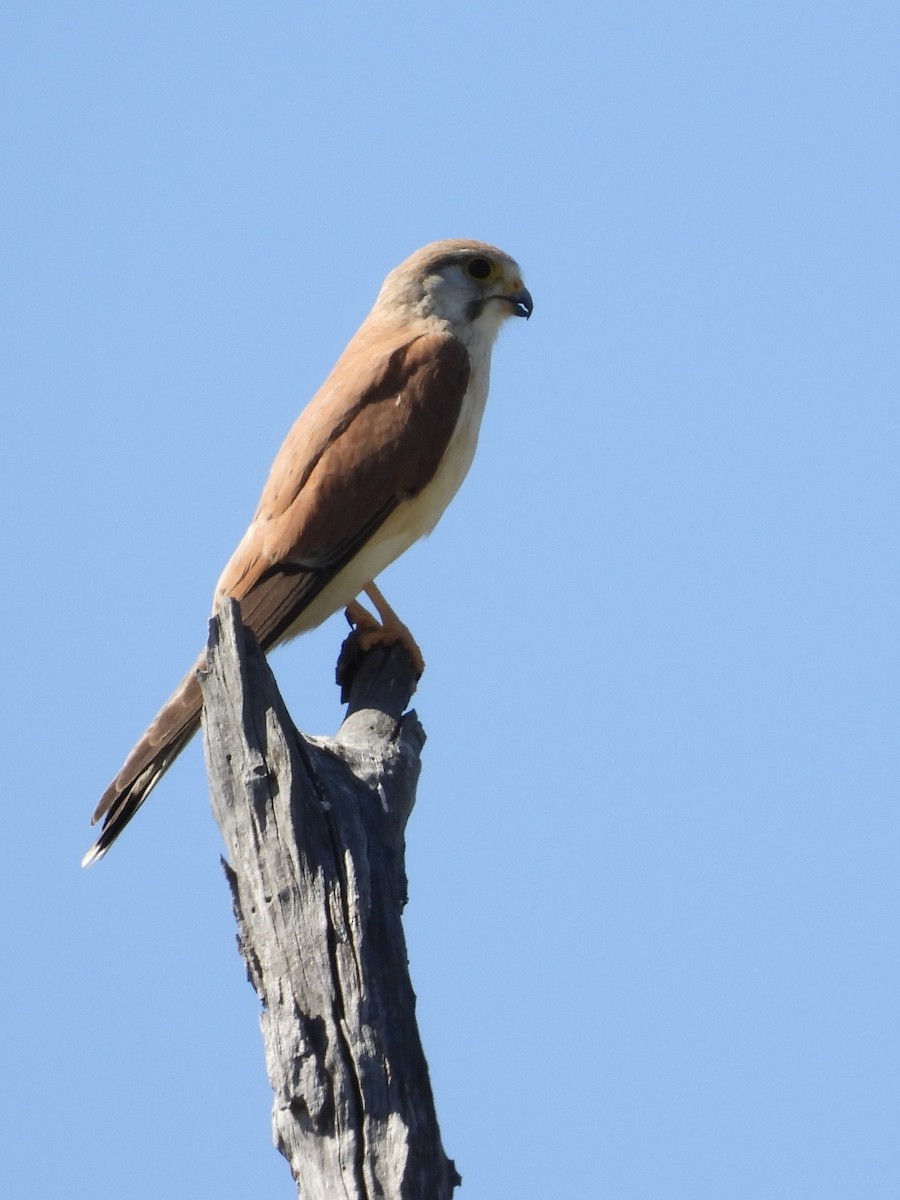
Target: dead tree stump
314, 830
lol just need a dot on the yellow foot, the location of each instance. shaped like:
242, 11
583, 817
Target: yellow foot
386, 631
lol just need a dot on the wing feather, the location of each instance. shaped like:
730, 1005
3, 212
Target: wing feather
359, 450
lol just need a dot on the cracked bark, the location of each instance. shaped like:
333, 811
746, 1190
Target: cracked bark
314, 831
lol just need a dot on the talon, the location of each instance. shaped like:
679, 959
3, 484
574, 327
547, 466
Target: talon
387, 631
360, 618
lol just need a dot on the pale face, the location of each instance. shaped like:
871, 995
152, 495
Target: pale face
467, 286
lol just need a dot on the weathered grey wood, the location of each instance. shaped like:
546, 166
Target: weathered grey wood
314, 830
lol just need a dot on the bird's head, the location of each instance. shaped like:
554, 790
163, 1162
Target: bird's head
461, 285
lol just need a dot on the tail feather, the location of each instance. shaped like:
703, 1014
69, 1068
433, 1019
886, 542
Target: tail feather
175, 724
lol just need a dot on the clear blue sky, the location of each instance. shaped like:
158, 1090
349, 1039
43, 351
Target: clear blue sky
653, 867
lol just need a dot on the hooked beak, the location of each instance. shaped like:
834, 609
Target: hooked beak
521, 302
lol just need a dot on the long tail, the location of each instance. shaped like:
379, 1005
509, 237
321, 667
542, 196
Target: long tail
175, 724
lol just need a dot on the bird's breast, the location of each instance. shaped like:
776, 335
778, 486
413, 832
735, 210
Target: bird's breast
413, 518
418, 515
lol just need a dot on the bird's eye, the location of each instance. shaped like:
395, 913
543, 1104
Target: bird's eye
479, 268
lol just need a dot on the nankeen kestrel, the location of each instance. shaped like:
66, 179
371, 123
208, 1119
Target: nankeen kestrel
368, 468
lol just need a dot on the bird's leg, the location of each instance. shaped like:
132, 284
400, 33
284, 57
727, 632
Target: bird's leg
387, 631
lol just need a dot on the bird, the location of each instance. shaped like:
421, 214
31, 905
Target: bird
365, 471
